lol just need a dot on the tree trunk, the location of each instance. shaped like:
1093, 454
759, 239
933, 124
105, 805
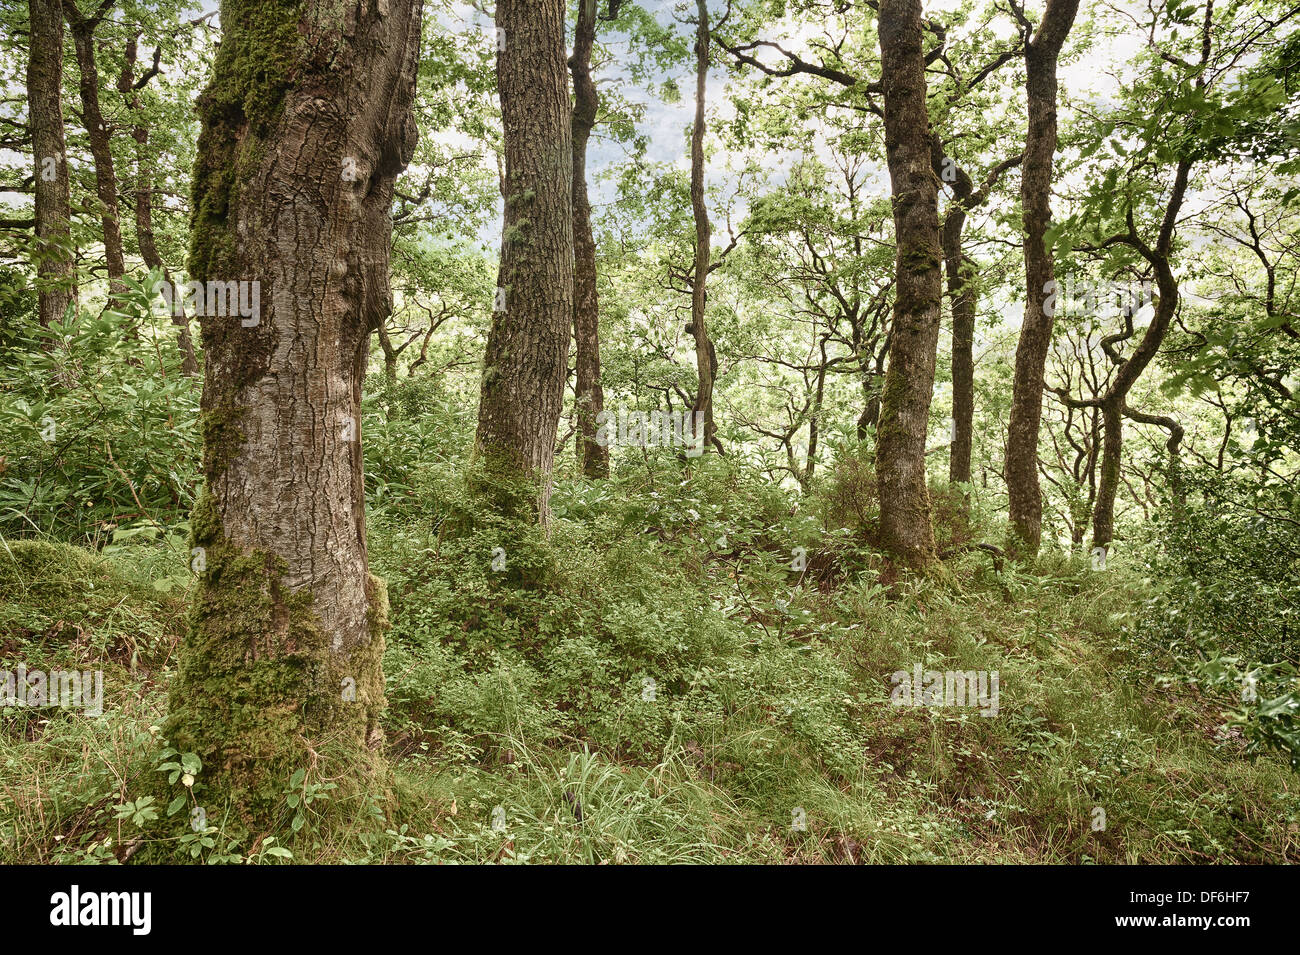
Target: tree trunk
83, 38
292, 190
814, 419
593, 458
905, 527
389, 352
962, 296
1103, 514
144, 213
1131, 369
706, 361
527, 356
1021, 469
54, 266
1178, 496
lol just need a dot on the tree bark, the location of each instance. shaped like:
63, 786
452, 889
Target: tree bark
55, 280
962, 296
527, 356
706, 360
83, 38
589, 396
1021, 466
292, 190
905, 527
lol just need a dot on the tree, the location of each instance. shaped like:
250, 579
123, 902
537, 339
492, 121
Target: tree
291, 200
1025, 501
522, 390
83, 38
959, 270
593, 458
54, 268
1196, 121
706, 359
129, 86
905, 527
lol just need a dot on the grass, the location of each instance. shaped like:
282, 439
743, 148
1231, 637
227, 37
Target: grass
770, 707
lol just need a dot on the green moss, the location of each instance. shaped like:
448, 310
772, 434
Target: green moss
253, 70
222, 438
50, 587
259, 687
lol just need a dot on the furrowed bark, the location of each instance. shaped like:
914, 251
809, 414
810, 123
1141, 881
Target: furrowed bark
306, 124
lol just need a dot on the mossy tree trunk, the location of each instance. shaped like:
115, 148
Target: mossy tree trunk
1025, 500
306, 124
706, 360
526, 363
593, 459
905, 527
54, 270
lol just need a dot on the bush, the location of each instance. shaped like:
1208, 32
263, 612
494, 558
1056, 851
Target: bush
98, 425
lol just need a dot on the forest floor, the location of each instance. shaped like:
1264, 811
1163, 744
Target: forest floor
654, 683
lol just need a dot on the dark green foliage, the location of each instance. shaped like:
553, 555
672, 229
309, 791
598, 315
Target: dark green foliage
98, 428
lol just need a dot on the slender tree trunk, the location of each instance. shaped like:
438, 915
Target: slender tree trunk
389, 352
1021, 468
873, 381
905, 527
1131, 369
706, 361
144, 212
55, 279
1103, 514
962, 296
527, 356
1172, 445
814, 419
593, 458
83, 38
292, 191
1112, 403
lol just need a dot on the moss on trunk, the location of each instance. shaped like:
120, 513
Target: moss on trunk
259, 678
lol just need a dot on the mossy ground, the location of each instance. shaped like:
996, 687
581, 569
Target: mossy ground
526, 689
